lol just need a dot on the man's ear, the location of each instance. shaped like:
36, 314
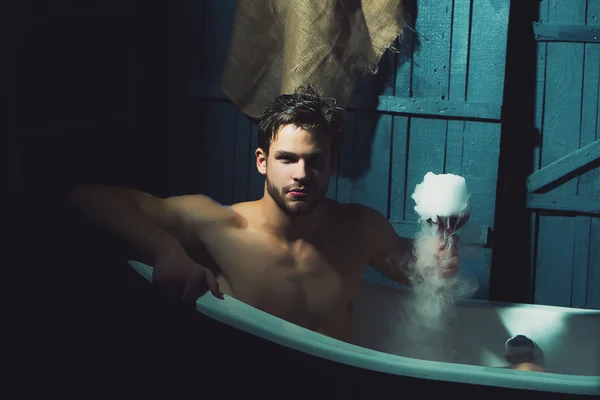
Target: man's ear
261, 161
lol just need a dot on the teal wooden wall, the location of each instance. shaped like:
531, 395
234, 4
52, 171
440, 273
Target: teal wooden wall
455, 62
565, 221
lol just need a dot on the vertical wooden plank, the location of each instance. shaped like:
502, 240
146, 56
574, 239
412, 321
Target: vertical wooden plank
430, 79
540, 96
487, 56
461, 23
485, 83
332, 189
215, 44
257, 181
400, 132
562, 116
372, 155
593, 52
371, 187
346, 161
399, 168
480, 169
241, 158
185, 50
216, 158
401, 126
593, 294
581, 256
184, 146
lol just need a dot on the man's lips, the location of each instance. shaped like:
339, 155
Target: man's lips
298, 192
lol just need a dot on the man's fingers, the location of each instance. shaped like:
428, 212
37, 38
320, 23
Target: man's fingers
213, 285
194, 288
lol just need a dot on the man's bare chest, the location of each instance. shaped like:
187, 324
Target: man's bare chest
307, 281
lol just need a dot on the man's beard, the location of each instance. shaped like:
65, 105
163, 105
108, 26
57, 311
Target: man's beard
299, 207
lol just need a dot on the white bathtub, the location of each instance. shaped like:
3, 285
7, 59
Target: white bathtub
567, 340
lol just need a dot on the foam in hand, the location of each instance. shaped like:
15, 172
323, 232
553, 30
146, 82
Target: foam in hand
442, 202
443, 195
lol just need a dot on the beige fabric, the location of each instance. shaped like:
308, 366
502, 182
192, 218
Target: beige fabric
278, 45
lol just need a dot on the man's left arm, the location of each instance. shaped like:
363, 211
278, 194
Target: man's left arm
392, 255
389, 253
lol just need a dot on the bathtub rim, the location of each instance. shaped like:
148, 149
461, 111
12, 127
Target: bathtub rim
276, 330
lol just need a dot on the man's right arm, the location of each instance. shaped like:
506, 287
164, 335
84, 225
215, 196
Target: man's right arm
126, 214
156, 229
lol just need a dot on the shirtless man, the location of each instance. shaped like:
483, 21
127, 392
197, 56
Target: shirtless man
294, 253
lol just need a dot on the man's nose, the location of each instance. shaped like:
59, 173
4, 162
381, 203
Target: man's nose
301, 171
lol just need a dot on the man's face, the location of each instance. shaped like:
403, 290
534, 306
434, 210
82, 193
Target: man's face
297, 169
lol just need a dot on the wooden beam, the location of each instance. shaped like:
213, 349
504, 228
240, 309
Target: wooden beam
443, 109
566, 33
480, 238
575, 162
574, 204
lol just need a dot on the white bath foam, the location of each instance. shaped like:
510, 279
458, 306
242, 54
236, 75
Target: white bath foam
441, 195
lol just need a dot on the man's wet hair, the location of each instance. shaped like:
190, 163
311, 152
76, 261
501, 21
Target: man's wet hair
306, 109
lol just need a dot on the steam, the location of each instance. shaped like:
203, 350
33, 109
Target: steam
442, 202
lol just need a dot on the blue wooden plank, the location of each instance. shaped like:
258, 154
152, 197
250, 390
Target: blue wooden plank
562, 113
581, 256
593, 52
257, 181
581, 252
593, 280
565, 165
554, 265
540, 96
578, 204
480, 169
184, 145
332, 189
241, 159
401, 125
565, 33
430, 80
346, 161
425, 153
432, 58
399, 168
487, 57
186, 58
461, 23
485, 84
372, 155
215, 159
443, 109
219, 17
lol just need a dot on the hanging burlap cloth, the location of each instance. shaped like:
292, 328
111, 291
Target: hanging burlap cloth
278, 45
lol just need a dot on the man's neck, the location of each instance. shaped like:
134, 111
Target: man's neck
280, 224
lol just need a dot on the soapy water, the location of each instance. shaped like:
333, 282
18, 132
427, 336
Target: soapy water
428, 313
442, 202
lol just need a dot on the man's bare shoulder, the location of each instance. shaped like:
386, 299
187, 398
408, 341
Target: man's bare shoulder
202, 209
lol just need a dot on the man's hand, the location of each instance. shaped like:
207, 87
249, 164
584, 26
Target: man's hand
179, 278
448, 257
